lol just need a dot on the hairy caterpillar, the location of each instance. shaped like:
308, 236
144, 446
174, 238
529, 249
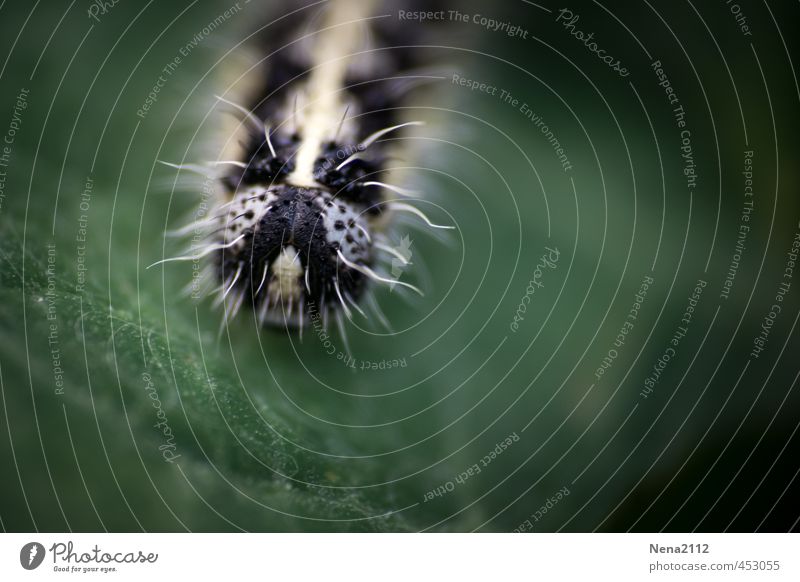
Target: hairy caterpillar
298, 231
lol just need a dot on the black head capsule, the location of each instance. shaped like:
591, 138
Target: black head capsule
303, 247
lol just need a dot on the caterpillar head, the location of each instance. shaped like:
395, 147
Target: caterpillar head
297, 247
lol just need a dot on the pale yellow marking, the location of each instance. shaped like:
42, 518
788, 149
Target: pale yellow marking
344, 35
286, 280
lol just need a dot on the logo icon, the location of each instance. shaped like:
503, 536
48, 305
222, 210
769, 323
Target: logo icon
31, 555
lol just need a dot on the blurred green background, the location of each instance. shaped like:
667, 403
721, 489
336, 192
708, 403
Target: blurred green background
270, 433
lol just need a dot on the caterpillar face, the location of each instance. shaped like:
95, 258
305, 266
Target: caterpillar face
297, 247
299, 227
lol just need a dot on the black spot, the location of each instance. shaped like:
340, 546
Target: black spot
261, 166
338, 225
349, 238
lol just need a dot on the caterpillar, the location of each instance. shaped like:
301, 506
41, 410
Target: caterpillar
298, 231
